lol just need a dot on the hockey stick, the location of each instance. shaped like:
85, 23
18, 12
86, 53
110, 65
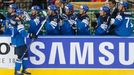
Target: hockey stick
109, 19
42, 25
108, 23
36, 34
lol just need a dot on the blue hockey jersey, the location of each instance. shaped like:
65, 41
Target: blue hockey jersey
82, 23
18, 35
123, 24
7, 24
102, 26
35, 24
68, 24
52, 25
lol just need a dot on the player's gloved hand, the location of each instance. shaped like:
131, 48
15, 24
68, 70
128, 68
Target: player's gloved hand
53, 24
33, 36
104, 26
112, 21
72, 22
86, 22
37, 21
119, 17
64, 17
44, 13
26, 16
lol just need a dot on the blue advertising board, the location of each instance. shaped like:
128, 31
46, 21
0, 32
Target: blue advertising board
81, 52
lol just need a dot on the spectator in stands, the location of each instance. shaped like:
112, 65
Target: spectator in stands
113, 8
60, 6
40, 3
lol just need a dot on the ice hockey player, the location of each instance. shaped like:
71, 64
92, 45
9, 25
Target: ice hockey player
52, 24
82, 21
18, 41
102, 21
123, 21
35, 22
60, 4
69, 23
9, 19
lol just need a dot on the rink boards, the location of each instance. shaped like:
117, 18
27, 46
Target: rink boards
73, 55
